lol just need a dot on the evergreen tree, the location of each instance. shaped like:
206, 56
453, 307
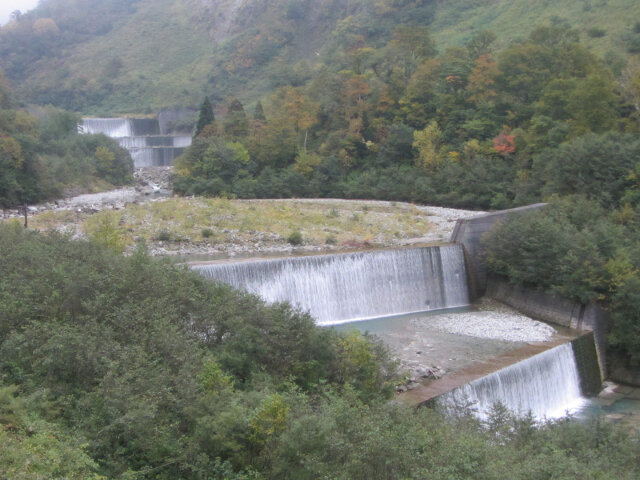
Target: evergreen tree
205, 117
258, 114
236, 124
5, 92
235, 106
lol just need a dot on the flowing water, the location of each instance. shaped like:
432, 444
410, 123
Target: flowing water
548, 385
387, 285
355, 286
142, 137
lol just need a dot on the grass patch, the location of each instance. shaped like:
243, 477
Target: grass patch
248, 221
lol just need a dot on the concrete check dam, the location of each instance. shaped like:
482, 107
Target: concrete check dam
356, 286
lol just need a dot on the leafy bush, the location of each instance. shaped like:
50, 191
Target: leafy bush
561, 248
163, 236
295, 238
156, 359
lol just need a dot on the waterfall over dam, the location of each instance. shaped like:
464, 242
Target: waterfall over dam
349, 287
547, 385
142, 137
355, 286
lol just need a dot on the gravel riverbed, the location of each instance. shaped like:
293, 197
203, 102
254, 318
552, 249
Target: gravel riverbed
494, 321
449, 341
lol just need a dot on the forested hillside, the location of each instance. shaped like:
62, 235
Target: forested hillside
471, 127
42, 155
122, 56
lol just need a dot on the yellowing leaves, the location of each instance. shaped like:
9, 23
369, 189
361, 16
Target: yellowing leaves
306, 162
482, 79
427, 142
46, 27
13, 152
269, 419
292, 106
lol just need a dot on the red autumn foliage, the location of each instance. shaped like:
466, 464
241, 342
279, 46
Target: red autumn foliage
504, 143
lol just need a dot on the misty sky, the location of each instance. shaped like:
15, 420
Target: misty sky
8, 6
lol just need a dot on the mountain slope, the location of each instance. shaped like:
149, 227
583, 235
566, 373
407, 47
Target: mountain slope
149, 56
117, 56
605, 25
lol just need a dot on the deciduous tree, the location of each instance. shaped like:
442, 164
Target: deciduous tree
427, 142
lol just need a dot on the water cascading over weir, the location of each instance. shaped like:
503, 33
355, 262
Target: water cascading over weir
355, 286
547, 385
148, 145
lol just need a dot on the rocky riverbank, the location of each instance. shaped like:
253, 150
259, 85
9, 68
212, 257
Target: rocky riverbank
149, 184
494, 321
428, 347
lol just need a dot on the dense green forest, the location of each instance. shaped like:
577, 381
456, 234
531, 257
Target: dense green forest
471, 127
42, 155
131, 368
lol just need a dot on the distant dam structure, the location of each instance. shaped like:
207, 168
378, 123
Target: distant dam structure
144, 138
355, 286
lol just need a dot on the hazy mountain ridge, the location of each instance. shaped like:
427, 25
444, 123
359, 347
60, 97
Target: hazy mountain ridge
116, 56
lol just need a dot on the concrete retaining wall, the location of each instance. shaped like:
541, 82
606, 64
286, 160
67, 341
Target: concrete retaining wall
168, 118
546, 307
470, 232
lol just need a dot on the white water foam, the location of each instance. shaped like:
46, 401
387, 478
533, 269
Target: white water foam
355, 286
547, 385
